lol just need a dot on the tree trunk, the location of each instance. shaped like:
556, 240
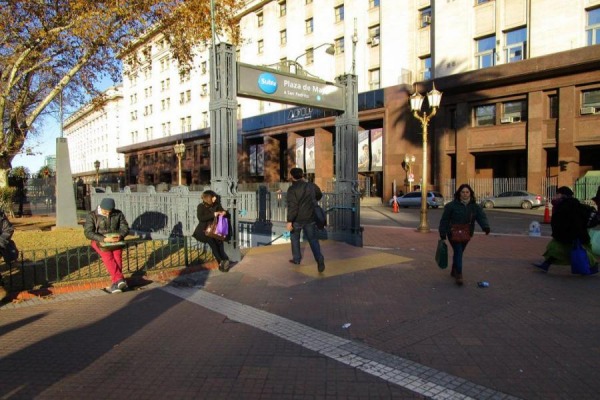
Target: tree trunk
3, 175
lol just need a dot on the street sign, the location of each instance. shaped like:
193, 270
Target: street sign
270, 84
411, 177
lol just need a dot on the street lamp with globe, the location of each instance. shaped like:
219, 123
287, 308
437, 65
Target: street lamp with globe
434, 97
179, 149
97, 168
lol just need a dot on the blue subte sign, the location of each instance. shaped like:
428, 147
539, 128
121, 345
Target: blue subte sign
267, 82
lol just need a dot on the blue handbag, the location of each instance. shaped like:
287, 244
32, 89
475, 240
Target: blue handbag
580, 263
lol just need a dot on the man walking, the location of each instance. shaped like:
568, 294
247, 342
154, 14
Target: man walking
302, 197
106, 227
6, 232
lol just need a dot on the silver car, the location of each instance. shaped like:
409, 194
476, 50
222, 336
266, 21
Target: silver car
514, 198
413, 199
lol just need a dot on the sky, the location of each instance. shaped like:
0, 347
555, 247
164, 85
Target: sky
44, 143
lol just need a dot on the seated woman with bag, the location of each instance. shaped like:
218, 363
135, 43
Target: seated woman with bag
207, 212
458, 225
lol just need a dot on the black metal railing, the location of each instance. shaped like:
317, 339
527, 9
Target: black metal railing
42, 268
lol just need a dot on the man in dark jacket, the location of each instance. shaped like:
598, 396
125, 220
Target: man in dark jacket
6, 232
302, 197
106, 227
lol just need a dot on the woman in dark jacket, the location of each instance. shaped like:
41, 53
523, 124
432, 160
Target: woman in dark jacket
206, 212
462, 210
569, 222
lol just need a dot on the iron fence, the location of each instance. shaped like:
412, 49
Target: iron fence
42, 268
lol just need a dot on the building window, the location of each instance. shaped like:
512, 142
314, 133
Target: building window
425, 68
593, 27
205, 119
516, 42
425, 17
339, 13
339, 45
486, 49
310, 56
482, 1
374, 79
309, 26
590, 102
553, 106
373, 3
485, 115
204, 90
203, 67
261, 46
283, 37
514, 111
260, 19
308, 1
282, 8
374, 35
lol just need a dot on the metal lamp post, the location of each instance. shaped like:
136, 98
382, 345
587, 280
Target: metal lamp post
409, 160
434, 97
97, 167
329, 50
179, 149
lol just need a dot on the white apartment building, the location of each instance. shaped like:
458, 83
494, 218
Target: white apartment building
386, 43
94, 134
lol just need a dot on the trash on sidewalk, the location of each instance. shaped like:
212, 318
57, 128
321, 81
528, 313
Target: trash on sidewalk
483, 284
346, 325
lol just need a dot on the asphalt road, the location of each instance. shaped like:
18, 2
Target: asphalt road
502, 221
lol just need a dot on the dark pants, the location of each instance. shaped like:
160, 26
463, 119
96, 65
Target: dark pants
310, 234
457, 256
217, 247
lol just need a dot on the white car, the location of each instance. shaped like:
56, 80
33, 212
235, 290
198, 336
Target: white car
413, 199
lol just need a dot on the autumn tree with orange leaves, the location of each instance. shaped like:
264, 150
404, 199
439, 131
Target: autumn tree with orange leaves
53, 46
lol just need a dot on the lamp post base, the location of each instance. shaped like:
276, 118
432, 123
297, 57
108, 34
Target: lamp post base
423, 225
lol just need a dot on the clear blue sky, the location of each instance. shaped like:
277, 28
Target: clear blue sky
44, 143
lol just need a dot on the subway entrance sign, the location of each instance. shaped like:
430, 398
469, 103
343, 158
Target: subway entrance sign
265, 83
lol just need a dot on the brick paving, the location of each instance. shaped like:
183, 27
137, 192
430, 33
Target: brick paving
529, 335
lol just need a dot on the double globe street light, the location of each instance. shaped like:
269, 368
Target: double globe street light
179, 149
434, 97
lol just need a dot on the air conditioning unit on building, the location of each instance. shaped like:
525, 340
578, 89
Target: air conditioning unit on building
510, 119
373, 41
588, 110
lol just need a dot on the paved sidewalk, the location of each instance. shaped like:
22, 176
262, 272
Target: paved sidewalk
382, 322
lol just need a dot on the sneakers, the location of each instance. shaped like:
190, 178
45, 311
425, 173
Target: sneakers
459, 279
294, 262
122, 284
224, 266
321, 265
543, 266
114, 288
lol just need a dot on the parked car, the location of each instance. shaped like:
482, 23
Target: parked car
413, 199
514, 198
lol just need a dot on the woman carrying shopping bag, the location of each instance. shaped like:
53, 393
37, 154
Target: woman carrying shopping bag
207, 211
458, 225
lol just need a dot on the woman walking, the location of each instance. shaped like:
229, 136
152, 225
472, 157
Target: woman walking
463, 210
570, 221
207, 211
